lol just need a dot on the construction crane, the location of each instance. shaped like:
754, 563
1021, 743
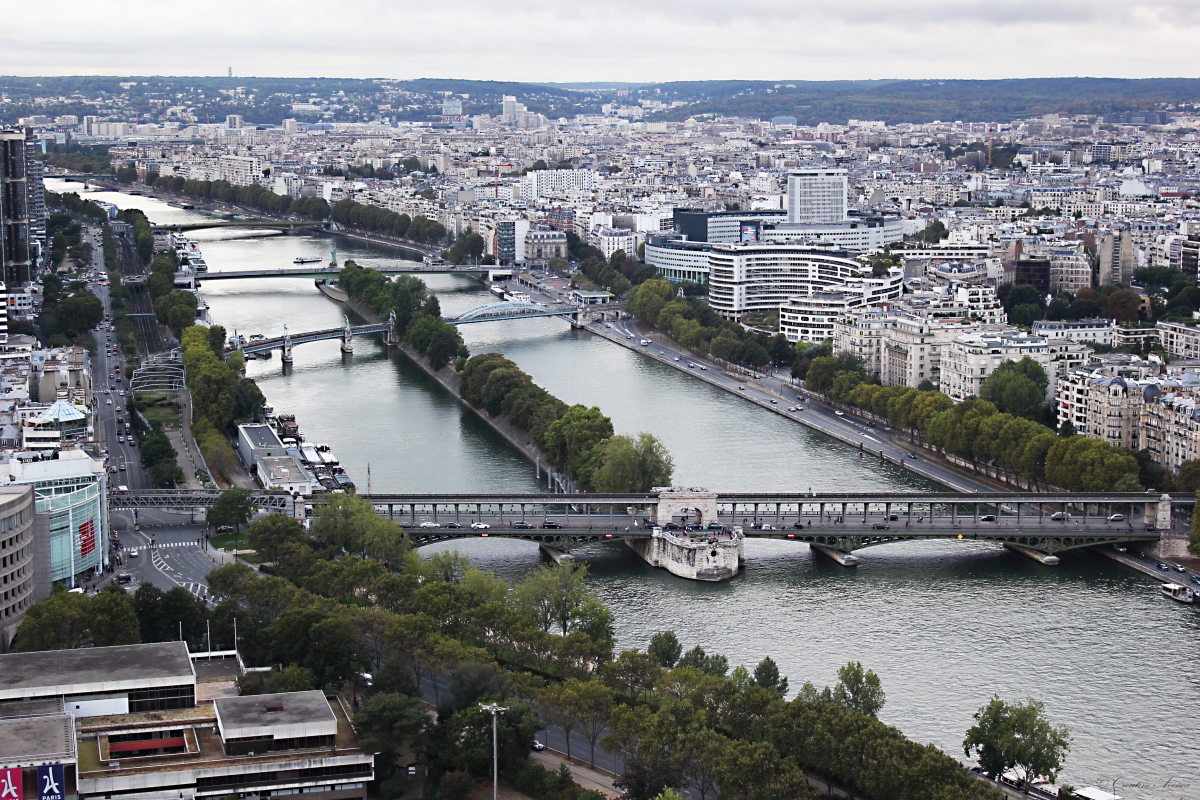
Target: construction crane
496, 186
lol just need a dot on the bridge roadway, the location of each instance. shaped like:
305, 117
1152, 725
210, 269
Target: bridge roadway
331, 272
836, 521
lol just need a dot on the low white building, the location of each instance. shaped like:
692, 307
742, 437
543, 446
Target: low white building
286, 473
1097, 331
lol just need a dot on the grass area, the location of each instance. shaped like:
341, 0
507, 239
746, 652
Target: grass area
229, 541
159, 410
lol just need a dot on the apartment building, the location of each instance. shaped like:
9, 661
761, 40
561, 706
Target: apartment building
1171, 428
972, 357
1097, 331
1179, 339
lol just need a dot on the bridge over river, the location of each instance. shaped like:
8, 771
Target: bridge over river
836, 524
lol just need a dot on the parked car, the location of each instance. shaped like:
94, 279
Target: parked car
538, 745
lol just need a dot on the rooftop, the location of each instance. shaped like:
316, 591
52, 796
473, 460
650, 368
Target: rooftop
93, 669
260, 435
286, 715
29, 741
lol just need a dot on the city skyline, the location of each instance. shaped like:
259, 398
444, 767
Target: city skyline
664, 42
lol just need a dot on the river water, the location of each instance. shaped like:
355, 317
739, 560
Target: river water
945, 625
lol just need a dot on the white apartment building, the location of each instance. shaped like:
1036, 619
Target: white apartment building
1097, 331
817, 196
972, 357
1179, 339
557, 183
913, 348
610, 241
860, 235
812, 318
750, 276
239, 170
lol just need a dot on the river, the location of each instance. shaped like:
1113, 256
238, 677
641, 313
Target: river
945, 625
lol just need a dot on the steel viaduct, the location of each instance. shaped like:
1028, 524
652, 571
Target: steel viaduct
837, 524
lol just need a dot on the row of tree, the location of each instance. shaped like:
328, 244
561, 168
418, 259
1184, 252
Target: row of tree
576, 439
254, 195
68, 312
68, 620
692, 323
381, 220
998, 428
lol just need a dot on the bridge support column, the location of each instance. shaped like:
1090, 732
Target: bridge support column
845, 559
347, 336
555, 554
1159, 514
1048, 559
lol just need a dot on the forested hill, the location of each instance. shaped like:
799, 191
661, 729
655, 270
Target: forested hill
812, 102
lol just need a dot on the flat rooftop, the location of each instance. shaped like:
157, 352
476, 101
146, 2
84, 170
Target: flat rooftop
283, 716
260, 435
94, 669
30, 741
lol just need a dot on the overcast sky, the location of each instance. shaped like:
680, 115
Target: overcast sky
617, 40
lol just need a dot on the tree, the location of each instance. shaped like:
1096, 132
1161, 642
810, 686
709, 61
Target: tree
766, 675
665, 647
593, 703
1007, 735
114, 620
757, 771
632, 672
572, 441
821, 374
629, 465
560, 707
1188, 479
456, 785
349, 523
232, 508
60, 622
274, 536
859, 690
1012, 392
292, 678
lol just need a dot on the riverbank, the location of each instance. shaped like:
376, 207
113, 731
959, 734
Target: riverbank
451, 381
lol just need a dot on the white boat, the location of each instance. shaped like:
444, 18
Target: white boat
305, 260
1181, 593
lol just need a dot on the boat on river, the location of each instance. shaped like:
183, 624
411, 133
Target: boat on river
1180, 593
305, 260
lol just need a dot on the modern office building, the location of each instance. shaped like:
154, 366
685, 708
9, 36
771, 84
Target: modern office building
752, 276
1032, 271
70, 528
14, 209
817, 196
678, 260
16, 559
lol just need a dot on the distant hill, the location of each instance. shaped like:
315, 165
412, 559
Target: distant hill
836, 102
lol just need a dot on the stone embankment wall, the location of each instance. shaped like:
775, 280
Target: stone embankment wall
697, 561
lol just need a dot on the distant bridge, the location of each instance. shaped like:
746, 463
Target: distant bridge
331, 272
516, 309
279, 225
492, 312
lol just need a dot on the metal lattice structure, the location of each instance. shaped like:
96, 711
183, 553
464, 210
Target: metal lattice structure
161, 372
518, 309
194, 498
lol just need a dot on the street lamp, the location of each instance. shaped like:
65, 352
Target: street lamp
495, 710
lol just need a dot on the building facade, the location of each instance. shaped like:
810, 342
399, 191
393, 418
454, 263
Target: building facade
16, 559
817, 196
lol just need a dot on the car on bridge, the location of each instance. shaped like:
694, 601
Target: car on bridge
453, 525
1116, 518
480, 526
550, 525
988, 518
881, 526
522, 525
1060, 516
429, 525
